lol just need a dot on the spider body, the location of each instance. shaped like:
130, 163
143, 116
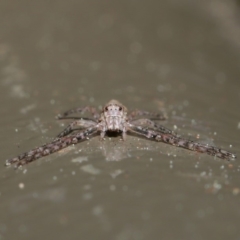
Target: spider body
114, 118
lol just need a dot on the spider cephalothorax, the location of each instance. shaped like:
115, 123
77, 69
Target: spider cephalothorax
113, 118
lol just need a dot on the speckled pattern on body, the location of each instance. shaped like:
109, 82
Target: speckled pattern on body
115, 118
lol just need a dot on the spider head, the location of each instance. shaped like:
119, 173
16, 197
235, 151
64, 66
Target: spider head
114, 115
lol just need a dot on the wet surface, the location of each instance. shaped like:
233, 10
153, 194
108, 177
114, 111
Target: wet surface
172, 55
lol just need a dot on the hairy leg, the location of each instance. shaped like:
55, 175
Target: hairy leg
52, 147
183, 143
152, 116
82, 123
149, 123
93, 111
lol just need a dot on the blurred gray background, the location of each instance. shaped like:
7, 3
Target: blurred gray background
180, 56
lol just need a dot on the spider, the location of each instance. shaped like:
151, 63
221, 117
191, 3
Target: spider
114, 119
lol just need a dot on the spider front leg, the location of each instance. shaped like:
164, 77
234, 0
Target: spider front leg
183, 143
52, 147
82, 123
93, 111
152, 116
152, 124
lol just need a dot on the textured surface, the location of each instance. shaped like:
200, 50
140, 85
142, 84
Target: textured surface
179, 55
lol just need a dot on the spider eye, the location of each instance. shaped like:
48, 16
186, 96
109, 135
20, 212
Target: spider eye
120, 108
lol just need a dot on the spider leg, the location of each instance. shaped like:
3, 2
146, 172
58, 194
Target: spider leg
152, 116
82, 123
75, 118
54, 146
93, 111
152, 124
180, 142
